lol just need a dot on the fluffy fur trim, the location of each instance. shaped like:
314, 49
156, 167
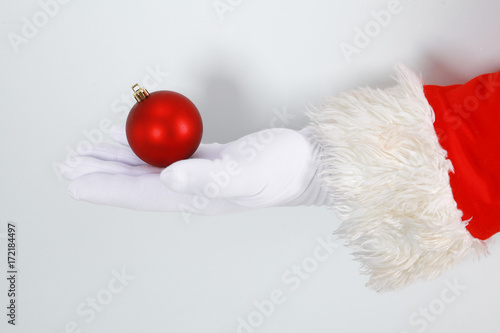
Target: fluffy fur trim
388, 180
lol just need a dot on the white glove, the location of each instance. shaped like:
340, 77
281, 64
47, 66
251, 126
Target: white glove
274, 167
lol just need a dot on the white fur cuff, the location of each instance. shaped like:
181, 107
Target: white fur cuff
389, 183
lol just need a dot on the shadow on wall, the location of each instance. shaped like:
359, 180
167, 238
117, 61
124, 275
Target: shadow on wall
228, 108
231, 110
436, 71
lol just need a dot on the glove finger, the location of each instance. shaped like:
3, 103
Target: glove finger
111, 152
144, 192
89, 165
118, 134
220, 178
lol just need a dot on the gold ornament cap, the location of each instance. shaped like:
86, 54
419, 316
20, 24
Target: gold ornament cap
140, 93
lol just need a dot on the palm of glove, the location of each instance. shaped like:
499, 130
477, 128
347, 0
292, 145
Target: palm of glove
274, 167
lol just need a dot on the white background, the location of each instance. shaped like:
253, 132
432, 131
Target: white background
200, 274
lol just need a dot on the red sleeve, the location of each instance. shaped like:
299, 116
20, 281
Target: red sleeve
468, 126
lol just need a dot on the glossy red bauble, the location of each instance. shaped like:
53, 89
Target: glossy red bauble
163, 127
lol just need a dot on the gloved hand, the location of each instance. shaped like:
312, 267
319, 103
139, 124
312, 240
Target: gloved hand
273, 167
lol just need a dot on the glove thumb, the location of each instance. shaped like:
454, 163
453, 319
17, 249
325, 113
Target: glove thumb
219, 178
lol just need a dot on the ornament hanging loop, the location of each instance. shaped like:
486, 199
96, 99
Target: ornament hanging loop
140, 93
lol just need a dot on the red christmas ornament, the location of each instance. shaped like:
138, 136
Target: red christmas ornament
163, 127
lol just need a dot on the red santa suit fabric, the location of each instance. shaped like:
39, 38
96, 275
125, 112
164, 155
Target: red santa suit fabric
467, 122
